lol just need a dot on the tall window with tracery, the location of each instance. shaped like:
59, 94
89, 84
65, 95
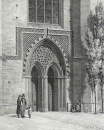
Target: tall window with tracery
44, 11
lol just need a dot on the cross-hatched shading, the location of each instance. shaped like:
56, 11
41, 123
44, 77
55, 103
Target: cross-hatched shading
22, 40
44, 11
48, 11
28, 39
55, 11
40, 11
63, 42
32, 10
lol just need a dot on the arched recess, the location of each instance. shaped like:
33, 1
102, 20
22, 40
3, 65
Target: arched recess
53, 72
36, 86
56, 68
59, 67
39, 67
55, 47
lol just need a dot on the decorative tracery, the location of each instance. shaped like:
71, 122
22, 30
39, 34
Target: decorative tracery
55, 57
44, 55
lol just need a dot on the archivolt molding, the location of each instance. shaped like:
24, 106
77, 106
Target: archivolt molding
36, 43
57, 69
38, 66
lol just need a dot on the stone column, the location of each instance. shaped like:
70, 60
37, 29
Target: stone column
61, 96
59, 84
26, 89
45, 93
61, 93
67, 87
40, 93
64, 93
29, 91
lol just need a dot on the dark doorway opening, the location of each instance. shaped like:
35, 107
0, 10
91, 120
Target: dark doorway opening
34, 88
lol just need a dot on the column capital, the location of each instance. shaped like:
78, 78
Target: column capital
43, 77
61, 77
27, 76
66, 77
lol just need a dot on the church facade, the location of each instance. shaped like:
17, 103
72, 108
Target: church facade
42, 55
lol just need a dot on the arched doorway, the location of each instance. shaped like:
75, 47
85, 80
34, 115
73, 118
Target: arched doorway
53, 88
48, 89
34, 88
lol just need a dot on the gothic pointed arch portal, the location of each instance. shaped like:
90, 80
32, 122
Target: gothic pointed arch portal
36, 87
53, 90
46, 66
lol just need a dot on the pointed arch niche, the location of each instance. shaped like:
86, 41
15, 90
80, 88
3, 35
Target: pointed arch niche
46, 67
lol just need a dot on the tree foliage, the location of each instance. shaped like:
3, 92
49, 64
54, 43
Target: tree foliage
98, 22
93, 46
94, 53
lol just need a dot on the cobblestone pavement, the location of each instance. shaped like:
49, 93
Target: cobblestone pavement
53, 121
90, 121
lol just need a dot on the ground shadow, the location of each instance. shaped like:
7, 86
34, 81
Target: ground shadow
13, 115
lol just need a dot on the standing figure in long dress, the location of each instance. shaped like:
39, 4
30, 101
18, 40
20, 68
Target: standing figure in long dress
19, 105
23, 105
